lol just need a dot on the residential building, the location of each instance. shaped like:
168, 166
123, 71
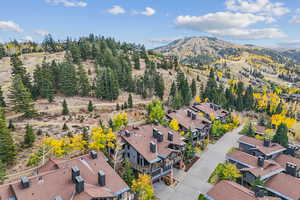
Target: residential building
284, 186
260, 130
265, 148
87, 177
227, 190
210, 109
152, 149
190, 121
253, 167
287, 161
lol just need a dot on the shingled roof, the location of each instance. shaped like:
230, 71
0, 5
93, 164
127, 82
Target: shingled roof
208, 109
268, 169
284, 185
232, 191
57, 182
259, 145
141, 137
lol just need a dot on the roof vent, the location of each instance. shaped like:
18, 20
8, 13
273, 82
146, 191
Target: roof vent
260, 161
127, 133
93, 154
153, 147
194, 116
291, 169
75, 172
24, 182
160, 136
57, 198
170, 136
154, 132
101, 178
79, 184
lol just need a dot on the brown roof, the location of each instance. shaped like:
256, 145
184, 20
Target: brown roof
232, 191
187, 122
260, 129
141, 137
285, 184
58, 182
270, 167
282, 159
206, 108
258, 144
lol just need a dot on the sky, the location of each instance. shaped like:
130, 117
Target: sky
269, 23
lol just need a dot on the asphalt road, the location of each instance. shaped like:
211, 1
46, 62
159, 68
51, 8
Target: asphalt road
194, 181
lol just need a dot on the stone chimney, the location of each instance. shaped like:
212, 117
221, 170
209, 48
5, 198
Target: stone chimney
153, 147
101, 178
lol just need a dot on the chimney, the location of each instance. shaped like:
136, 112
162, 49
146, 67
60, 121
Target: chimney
154, 133
75, 172
291, 150
152, 147
189, 113
24, 182
127, 133
170, 136
79, 184
93, 154
101, 178
291, 169
259, 192
160, 136
267, 142
260, 161
193, 116
57, 198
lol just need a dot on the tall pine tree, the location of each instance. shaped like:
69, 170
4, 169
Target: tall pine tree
2, 101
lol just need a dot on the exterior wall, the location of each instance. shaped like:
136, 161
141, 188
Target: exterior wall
244, 147
238, 165
248, 177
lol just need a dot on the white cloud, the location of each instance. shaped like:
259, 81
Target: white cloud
67, 3
290, 43
264, 7
27, 39
41, 32
296, 18
162, 40
219, 20
10, 26
116, 10
249, 34
148, 11
230, 25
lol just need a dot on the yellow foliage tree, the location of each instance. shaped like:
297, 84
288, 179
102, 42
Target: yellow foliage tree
143, 187
197, 99
174, 125
120, 120
100, 140
278, 119
230, 172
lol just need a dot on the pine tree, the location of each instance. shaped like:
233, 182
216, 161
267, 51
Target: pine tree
210, 90
107, 86
85, 137
193, 88
68, 79
177, 101
281, 136
65, 127
90, 106
84, 86
2, 101
130, 101
11, 126
249, 131
2, 171
29, 137
128, 174
173, 90
136, 60
21, 98
65, 110
248, 98
7, 147
159, 87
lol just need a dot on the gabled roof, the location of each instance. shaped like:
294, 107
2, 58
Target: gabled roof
187, 122
57, 182
227, 190
260, 129
258, 144
283, 159
269, 168
285, 185
141, 137
208, 108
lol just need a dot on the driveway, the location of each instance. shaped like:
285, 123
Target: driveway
194, 181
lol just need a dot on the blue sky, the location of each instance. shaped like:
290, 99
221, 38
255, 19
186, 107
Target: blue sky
154, 22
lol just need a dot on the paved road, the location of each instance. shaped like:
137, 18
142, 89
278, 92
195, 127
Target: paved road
195, 180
